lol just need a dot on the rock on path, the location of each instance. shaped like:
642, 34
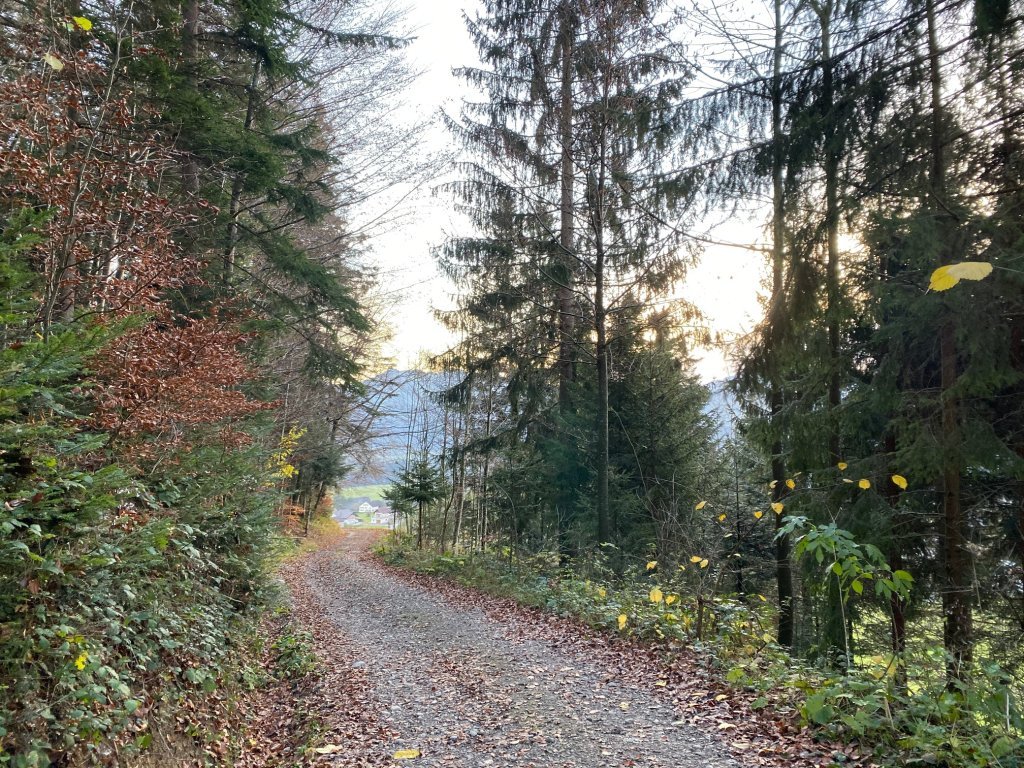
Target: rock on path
453, 684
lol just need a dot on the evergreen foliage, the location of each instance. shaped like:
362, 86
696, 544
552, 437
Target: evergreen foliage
881, 405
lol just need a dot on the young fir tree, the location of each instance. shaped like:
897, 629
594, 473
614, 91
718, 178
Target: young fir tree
420, 483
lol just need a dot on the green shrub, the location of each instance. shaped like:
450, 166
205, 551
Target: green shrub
293, 653
121, 589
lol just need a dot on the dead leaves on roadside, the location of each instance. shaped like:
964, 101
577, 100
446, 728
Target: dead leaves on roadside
326, 718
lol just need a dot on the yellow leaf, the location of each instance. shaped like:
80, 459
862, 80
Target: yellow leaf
669, 599
656, 595
971, 270
847, 480
941, 280
791, 484
863, 483
671, 617
695, 558
661, 683
81, 661
777, 507
701, 506
842, 466
946, 277
704, 563
602, 592
624, 706
721, 518
772, 484
900, 481
53, 62
622, 621
758, 514
652, 564
406, 754
82, 22
762, 598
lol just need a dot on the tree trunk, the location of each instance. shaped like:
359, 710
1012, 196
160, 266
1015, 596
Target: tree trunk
604, 531
897, 605
460, 503
832, 153
956, 606
783, 566
238, 184
836, 639
597, 218
566, 318
419, 526
487, 466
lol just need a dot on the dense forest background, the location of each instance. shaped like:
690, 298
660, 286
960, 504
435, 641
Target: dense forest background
871, 489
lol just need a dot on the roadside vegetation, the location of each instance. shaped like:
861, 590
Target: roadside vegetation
183, 321
916, 720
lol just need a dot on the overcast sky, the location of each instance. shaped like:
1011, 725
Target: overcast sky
724, 285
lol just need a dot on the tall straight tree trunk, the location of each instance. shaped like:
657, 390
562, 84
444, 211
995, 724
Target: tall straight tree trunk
460, 474
956, 594
460, 504
419, 526
836, 638
597, 219
604, 531
832, 152
783, 566
449, 430
566, 318
487, 463
564, 295
238, 184
604, 528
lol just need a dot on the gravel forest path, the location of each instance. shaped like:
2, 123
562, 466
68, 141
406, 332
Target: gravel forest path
441, 676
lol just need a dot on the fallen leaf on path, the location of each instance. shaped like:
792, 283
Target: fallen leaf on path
329, 749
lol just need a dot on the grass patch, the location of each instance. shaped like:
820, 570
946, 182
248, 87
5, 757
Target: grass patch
373, 492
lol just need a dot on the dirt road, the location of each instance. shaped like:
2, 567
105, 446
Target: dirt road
457, 686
